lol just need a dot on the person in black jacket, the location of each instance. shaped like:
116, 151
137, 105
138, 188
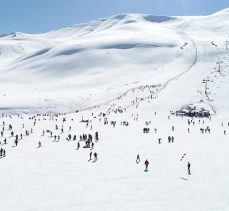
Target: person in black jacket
146, 165
189, 170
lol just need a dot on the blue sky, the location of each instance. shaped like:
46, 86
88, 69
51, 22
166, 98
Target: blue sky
33, 16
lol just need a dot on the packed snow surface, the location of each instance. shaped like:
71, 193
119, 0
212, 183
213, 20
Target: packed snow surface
119, 76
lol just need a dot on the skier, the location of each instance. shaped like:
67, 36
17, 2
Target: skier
96, 136
138, 159
90, 155
4, 153
146, 164
92, 145
189, 166
95, 157
78, 145
39, 144
1, 152
182, 157
69, 137
169, 139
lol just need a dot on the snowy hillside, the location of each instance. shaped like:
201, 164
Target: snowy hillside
78, 104
72, 67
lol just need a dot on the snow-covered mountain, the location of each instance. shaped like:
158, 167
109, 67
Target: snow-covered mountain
88, 64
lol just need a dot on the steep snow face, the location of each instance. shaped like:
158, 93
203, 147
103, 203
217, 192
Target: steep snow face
87, 64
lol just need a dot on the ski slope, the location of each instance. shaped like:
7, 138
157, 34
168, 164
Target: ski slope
71, 68
133, 68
